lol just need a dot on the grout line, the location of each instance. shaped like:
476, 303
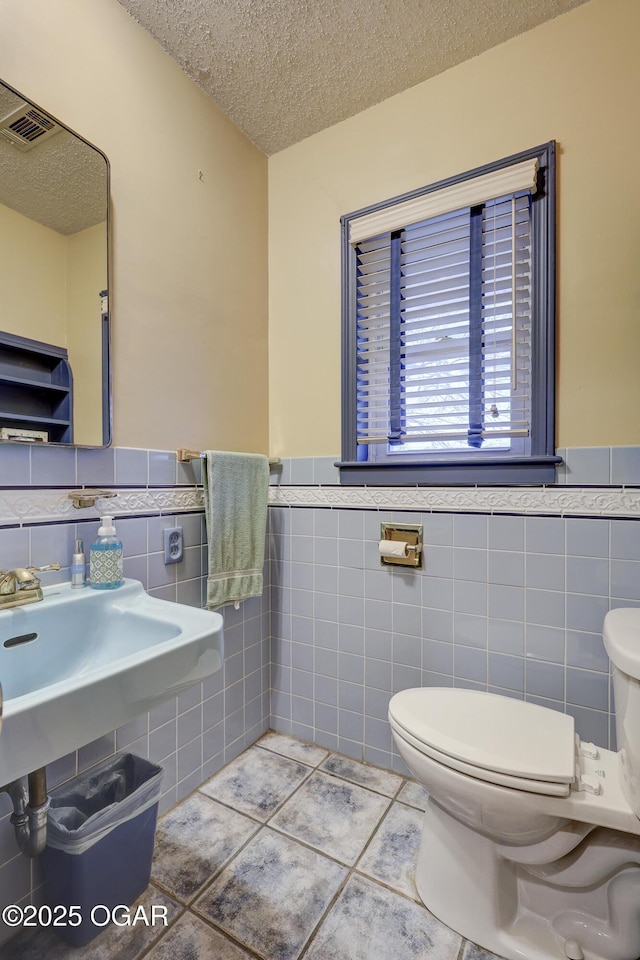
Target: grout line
154, 942
227, 936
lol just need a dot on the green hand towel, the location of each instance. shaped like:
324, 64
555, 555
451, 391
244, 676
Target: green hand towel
236, 487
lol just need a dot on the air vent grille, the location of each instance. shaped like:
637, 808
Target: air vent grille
26, 127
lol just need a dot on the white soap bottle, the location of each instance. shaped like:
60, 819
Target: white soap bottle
105, 558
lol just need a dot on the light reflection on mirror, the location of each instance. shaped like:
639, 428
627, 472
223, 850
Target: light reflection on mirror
53, 274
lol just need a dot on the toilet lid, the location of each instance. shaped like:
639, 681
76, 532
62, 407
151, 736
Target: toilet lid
488, 731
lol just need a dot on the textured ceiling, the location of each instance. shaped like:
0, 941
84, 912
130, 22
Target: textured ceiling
61, 182
284, 69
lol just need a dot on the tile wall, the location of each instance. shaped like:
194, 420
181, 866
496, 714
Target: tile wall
581, 466
508, 603
191, 736
513, 604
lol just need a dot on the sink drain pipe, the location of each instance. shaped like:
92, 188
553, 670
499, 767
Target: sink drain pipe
29, 817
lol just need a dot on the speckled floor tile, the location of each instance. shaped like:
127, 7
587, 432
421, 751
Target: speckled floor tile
414, 794
272, 895
114, 943
192, 939
294, 749
371, 777
391, 856
473, 952
332, 815
194, 841
257, 782
369, 922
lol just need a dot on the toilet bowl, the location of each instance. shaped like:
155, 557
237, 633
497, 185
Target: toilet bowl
531, 838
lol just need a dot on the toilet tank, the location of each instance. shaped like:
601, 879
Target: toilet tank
622, 642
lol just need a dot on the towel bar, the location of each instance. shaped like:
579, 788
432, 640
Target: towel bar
186, 456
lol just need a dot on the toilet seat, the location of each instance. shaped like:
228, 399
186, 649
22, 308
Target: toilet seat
492, 738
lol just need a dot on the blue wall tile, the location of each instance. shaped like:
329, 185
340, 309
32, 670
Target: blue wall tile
470, 530
132, 466
545, 535
586, 650
625, 465
438, 529
505, 636
625, 579
53, 466
96, 466
470, 630
15, 465
544, 643
470, 664
162, 467
301, 470
545, 607
625, 541
506, 533
545, 571
437, 625
587, 689
505, 671
588, 575
506, 567
587, 466
587, 538
14, 548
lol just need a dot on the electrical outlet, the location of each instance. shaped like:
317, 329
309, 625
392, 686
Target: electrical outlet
172, 544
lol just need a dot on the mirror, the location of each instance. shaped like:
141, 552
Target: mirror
54, 319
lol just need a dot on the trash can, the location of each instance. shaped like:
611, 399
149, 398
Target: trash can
100, 837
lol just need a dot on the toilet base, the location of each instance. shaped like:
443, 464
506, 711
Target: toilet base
463, 878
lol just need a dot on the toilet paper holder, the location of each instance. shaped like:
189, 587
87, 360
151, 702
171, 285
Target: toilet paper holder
408, 533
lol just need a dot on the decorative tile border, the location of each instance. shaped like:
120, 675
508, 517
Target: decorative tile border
553, 501
52, 505
20, 507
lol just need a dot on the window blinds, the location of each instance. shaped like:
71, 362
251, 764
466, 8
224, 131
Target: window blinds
444, 330
518, 178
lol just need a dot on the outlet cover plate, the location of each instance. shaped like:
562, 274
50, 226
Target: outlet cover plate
173, 546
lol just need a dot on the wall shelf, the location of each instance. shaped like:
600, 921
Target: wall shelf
36, 387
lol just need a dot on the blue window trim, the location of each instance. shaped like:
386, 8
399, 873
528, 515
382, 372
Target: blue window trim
539, 466
395, 364
476, 387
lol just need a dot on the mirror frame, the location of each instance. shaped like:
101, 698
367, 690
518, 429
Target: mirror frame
106, 328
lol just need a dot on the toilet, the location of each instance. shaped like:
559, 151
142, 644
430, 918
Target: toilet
531, 838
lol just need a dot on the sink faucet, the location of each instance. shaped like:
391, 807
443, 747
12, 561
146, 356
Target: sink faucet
21, 585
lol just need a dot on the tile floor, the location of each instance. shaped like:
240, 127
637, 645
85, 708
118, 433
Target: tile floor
288, 852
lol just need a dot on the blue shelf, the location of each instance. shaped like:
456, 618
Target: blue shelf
36, 387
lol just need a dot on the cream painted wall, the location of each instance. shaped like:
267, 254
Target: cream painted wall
33, 279
579, 80
189, 205
85, 279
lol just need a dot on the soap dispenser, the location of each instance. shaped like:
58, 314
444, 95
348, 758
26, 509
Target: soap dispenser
105, 558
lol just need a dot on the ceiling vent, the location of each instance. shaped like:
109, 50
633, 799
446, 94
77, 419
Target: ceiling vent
26, 127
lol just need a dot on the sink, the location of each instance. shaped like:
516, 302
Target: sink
81, 662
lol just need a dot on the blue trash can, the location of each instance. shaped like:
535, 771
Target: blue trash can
100, 837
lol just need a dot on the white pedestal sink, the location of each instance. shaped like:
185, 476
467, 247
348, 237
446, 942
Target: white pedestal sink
81, 662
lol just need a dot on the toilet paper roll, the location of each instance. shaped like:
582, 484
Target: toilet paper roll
393, 548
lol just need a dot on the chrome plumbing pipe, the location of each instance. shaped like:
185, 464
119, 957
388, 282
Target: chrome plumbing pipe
30, 809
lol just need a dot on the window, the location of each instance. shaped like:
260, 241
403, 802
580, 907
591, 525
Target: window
448, 330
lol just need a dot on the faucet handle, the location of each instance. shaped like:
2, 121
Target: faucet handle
25, 576
49, 566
